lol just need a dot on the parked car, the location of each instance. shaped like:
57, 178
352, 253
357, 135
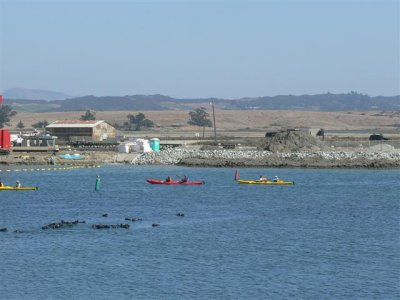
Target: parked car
377, 137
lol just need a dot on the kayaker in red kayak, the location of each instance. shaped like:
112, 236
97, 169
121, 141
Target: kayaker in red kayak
169, 181
184, 179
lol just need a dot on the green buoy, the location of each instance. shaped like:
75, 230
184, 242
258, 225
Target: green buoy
97, 186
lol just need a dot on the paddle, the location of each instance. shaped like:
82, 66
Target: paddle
237, 175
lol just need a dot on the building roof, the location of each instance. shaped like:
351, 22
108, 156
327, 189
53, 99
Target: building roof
74, 124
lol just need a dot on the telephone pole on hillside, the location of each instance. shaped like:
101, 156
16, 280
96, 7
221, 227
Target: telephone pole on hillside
215, 127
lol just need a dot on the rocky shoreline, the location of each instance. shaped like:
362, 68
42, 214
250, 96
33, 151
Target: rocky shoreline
237, 158
223, 158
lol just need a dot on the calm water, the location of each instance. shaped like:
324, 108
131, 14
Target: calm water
334, 235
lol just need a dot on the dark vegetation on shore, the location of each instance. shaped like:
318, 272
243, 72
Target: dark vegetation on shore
322, 102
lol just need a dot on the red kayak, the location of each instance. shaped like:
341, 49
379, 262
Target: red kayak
156, 181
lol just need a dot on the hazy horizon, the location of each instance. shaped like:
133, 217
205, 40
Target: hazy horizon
201, 49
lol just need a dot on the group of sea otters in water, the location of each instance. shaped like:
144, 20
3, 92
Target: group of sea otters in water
64, 224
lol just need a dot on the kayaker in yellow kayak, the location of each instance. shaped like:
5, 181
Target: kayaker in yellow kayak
17, 184
263, 178
1, 183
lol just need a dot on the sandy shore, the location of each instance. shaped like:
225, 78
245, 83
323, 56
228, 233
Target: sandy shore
220, 158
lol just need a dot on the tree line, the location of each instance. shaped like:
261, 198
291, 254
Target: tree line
351, 101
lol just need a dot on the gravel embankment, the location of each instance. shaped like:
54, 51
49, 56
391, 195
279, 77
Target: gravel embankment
237, 158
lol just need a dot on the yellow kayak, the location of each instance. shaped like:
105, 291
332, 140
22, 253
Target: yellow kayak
14, 188
279, 182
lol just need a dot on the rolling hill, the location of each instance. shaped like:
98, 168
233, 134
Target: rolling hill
33, 94
322, 102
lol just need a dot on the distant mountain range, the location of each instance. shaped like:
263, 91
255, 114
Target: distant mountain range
322, 102
31, 94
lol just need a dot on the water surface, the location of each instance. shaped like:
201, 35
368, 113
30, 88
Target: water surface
333, 235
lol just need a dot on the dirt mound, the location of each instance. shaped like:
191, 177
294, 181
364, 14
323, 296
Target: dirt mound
290, 141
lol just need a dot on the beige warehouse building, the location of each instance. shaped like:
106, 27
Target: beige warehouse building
76, 130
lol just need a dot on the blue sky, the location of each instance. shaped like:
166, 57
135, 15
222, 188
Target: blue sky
226, 49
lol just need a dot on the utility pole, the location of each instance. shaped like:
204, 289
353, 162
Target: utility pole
215, 127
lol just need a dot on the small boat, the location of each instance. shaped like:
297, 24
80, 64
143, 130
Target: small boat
22, 188
279, 182
157, 181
